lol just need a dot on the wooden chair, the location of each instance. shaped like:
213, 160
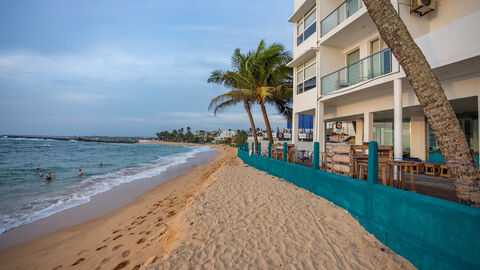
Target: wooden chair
342, 160
444, 171
432, 169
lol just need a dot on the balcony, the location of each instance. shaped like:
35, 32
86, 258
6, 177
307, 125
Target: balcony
340, 14
377, 64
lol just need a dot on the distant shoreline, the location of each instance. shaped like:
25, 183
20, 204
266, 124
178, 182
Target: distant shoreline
80, 139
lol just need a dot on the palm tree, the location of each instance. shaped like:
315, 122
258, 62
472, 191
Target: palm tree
429, 91
230, 79
265, 75
268, 72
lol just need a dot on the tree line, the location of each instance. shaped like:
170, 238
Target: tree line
178, 136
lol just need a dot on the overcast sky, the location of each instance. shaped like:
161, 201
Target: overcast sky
130, 68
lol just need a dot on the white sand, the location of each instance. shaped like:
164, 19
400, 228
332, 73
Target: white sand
247, 219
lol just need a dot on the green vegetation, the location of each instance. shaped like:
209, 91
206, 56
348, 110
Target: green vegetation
178, 136
258, 77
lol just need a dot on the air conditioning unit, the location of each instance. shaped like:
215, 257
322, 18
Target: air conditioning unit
422, 7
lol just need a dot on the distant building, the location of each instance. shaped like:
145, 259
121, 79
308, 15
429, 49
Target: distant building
221, 135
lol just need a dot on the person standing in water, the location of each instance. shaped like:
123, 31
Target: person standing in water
101, 164
37, 170
49, 176
80, 173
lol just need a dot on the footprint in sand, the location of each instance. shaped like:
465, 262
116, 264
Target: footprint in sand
142, 240
81, 252
105, 260
78, 261
125, 253
105, 240
116, 237
121, 265
117, 247
114, 232
100, 248
57, 267
136, 267
171, 213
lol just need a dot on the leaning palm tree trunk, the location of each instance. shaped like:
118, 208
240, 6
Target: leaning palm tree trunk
267, 122
428, 89
252, 123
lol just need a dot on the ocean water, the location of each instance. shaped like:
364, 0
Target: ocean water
25, 197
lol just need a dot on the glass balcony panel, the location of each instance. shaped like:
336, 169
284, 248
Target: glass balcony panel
367, 68
340, 14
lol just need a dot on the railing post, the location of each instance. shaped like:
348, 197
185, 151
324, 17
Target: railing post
246, 147
373, 162
285, 149
316, 155
253, 148
269, 150
259, 149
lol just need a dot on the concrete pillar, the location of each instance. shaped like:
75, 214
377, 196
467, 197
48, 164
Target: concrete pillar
397, 120
418, 137
320, 124
295, 128
478, 128
359, 132
367, 126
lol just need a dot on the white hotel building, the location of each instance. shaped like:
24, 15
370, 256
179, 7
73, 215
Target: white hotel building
344, 72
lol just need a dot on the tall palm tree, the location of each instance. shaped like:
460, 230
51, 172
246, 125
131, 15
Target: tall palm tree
264, 75
429, 91
230, 79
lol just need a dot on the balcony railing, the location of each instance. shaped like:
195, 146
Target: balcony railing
340, 14
372, 66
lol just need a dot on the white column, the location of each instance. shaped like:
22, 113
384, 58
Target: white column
359, 132
418, 137
320, 124
295, 128
397, 119
478, 124
367, 126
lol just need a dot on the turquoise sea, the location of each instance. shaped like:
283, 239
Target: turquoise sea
25, 197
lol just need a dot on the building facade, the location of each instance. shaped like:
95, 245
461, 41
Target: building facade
343, 71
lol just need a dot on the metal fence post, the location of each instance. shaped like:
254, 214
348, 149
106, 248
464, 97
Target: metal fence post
373, 162
269, 150
316, 155
285, 149
253, 148
259, 151
246, 147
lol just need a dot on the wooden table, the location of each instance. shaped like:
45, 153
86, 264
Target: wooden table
403, 168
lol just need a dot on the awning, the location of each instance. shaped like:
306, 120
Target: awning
302, 58
304, 8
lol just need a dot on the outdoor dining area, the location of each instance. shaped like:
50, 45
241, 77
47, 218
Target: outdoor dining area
352, 161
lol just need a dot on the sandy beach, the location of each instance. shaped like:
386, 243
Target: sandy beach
221, 215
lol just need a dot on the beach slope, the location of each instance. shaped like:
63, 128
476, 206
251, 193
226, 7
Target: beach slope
222, 215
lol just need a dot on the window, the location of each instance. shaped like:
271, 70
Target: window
306, 76
306, 27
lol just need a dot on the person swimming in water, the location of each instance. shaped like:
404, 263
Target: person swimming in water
37, 170
80, 173
41, 175
101, 164
49, 176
